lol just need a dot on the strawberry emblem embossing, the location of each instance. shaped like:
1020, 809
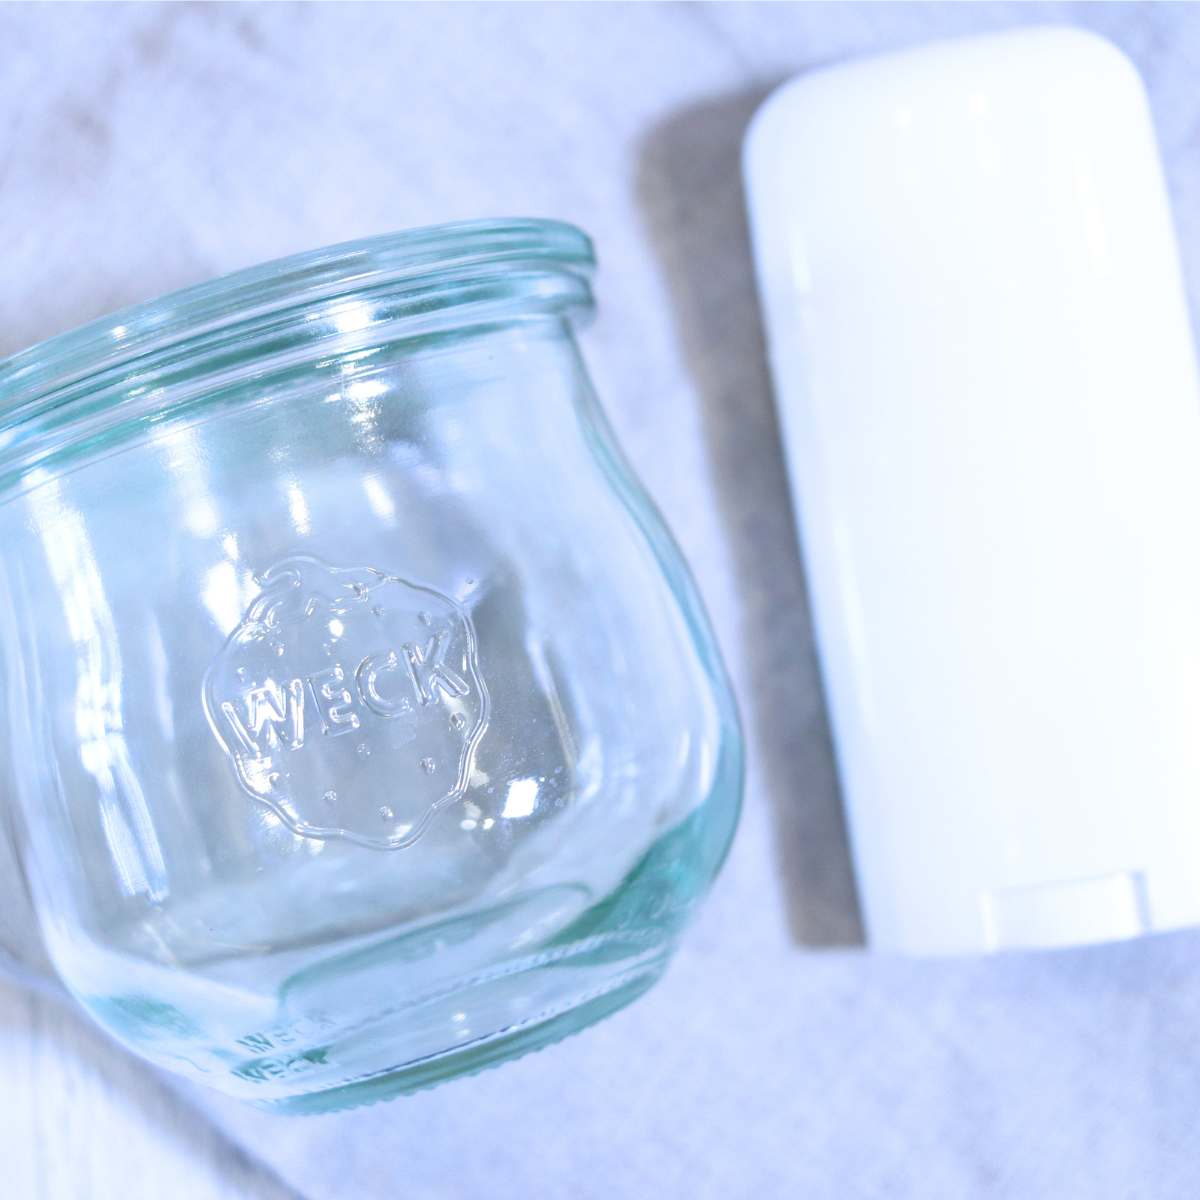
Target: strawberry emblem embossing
349, 701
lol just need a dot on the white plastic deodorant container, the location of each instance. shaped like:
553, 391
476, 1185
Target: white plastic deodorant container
988, 395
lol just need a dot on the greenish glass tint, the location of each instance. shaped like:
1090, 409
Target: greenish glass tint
365, 726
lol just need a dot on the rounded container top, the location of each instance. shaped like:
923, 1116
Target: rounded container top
82, 392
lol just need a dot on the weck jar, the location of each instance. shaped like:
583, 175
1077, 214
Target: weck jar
364, 726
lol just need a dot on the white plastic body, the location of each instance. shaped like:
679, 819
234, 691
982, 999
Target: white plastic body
988, 396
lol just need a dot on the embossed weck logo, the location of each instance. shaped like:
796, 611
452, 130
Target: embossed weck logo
349, 701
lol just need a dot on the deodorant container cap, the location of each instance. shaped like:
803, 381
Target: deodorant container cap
988, 396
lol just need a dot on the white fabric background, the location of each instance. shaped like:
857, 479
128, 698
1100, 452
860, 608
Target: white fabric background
143, 148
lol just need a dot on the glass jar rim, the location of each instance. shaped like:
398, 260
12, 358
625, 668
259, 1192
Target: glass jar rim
436, 277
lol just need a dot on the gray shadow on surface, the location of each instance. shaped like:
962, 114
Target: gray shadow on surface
690, 193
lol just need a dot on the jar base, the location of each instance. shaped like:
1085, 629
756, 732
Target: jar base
470, 1060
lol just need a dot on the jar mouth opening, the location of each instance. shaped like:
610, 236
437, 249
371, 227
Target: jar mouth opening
460, 252
74, 390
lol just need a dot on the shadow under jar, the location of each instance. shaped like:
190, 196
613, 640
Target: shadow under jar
365, 726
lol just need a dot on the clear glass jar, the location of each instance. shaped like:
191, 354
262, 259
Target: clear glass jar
364, 723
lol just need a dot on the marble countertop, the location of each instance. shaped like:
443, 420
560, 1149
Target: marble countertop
146, 147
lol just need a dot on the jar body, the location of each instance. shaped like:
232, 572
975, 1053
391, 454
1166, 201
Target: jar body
365, 726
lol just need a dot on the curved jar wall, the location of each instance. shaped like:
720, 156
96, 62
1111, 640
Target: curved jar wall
365, 724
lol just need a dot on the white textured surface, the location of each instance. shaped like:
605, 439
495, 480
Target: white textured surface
82, 1120
143, 148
